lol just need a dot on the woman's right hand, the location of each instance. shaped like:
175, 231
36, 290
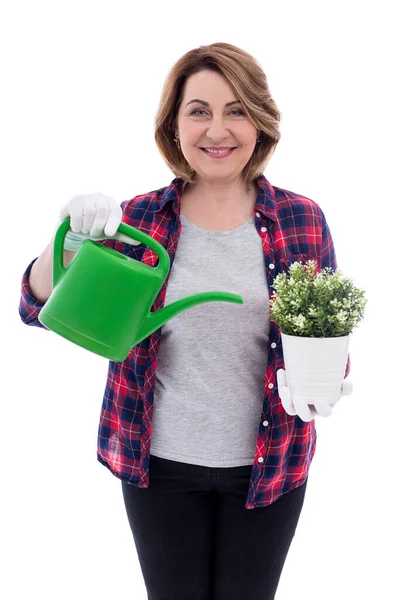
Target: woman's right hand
93, 216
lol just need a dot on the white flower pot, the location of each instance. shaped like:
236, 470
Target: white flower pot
315, 367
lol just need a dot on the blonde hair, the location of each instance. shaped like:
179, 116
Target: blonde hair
249, 81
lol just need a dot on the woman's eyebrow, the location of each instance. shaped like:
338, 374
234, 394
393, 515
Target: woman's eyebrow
207, 104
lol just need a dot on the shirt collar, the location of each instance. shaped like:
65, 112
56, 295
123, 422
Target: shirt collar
265, 202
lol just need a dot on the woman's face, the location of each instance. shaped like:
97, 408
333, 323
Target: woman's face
214, 125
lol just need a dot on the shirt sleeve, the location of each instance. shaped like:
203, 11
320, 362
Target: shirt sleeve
29, 305
328, 259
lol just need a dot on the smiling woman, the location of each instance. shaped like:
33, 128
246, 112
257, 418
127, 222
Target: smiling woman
217, 97
192, 421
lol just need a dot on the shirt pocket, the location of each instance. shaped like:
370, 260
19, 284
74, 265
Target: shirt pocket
288, 260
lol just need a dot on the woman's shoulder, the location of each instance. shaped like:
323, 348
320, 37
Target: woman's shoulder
149, 200
288, 199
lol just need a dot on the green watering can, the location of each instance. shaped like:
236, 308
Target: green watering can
102, 300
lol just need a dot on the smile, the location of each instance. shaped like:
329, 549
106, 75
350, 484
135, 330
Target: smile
218, 154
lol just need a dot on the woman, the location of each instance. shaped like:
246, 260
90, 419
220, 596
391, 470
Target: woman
213, 470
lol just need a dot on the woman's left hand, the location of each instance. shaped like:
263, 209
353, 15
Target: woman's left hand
299, 407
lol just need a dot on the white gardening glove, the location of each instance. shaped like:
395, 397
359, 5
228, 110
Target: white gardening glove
307, 412
94, 217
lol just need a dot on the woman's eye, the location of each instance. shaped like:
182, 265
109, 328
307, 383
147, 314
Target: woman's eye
201, 110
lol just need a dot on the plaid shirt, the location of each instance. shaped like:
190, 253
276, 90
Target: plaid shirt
291, 227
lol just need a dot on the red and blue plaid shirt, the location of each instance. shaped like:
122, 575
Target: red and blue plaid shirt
291, 228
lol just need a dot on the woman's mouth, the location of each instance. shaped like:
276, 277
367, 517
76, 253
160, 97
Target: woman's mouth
218, 154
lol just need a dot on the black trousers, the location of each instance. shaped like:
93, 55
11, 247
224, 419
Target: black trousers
195, 539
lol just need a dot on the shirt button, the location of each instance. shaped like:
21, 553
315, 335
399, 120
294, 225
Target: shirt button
263, 229
257, 214
273, 345
272, 266
261, 459
265, 423
270, 385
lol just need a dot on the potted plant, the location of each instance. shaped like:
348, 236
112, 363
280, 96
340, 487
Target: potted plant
316, 312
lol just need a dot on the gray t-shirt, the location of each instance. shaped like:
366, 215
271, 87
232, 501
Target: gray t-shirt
209, 389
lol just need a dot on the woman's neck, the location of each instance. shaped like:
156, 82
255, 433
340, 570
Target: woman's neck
216, 200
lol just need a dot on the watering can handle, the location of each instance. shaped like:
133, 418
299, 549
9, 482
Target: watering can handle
58, 263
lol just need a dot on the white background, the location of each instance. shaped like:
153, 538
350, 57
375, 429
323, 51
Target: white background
80, 86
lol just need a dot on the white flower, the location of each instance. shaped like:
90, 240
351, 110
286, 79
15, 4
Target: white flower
308, 303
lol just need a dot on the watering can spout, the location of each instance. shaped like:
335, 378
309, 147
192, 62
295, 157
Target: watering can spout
155, 320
